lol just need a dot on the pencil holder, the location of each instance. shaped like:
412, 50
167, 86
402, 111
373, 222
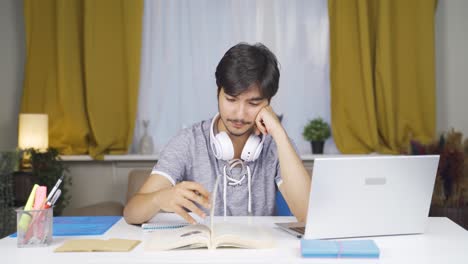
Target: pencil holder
34, 227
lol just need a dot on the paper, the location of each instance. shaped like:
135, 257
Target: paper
41, 195
98, 245
25, 218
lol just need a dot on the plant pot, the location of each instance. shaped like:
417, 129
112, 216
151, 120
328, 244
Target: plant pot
317, 147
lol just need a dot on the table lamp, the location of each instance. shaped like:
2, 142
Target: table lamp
33, 133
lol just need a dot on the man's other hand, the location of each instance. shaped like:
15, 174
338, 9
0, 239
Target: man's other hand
182, 196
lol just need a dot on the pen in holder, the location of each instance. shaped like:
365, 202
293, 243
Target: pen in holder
34, 227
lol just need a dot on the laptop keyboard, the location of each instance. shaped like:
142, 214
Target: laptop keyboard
299, 229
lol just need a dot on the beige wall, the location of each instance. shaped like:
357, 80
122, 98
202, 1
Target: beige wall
451, 54
452, 65
11, 69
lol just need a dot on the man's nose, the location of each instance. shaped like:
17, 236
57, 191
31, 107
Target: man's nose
240, 111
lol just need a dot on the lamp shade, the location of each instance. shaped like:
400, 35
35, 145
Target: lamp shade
33, 131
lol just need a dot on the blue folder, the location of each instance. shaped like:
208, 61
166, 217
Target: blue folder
311, 248
82, 225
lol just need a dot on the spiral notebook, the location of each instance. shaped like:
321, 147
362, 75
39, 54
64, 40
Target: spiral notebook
168, 221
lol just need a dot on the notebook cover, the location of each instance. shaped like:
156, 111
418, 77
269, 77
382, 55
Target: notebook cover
82, 225
312, 248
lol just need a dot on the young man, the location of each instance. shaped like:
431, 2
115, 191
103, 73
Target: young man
245, 145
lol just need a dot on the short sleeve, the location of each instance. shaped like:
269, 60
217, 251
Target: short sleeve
174, 158
278, 178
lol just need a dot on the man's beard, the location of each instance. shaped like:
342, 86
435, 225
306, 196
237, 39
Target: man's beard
237, 134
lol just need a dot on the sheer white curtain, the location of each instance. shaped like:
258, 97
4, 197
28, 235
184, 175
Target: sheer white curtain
183, 42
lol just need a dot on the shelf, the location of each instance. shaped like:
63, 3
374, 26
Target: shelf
137, 157
127, 157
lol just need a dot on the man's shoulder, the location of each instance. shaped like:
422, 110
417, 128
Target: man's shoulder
197, 129
193, 132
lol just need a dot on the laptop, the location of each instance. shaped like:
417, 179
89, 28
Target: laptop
368, 196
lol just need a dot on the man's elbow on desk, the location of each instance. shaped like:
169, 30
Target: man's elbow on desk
139, 209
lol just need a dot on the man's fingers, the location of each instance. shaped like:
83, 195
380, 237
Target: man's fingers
193, 208
196, 187
180, 211
257, 131
193, 196
261, 126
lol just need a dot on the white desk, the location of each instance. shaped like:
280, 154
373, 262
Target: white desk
443, 242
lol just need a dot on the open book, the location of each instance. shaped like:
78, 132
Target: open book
209, 235
202, 236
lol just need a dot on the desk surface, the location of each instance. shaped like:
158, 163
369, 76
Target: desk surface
443, 242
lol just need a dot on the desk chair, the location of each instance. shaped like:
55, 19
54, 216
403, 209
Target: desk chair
109, 208
136, 178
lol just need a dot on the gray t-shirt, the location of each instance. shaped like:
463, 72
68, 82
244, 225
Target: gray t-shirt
188, 157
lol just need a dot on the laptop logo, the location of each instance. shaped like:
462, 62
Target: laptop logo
375, 181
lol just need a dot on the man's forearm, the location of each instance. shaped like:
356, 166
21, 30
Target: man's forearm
141, 208
296, 181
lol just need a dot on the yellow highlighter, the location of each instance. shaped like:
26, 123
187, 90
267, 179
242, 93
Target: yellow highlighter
25, 218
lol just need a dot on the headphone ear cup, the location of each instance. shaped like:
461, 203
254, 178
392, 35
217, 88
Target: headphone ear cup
216, 148
224, 147
258, 150
252, 148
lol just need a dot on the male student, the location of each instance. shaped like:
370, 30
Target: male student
245, 145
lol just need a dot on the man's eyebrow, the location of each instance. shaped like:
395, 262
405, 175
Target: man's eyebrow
259, 98
256, 99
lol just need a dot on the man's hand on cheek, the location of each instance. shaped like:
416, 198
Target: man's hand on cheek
267, 122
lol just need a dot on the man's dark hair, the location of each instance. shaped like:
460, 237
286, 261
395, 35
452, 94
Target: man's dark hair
244, 65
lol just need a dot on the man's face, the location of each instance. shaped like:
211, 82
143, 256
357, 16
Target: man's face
238, 113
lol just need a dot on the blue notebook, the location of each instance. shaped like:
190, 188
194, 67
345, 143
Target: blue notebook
82, 225
311, 248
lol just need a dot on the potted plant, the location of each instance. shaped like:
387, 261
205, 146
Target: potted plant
450, 196
316, 131
8, 163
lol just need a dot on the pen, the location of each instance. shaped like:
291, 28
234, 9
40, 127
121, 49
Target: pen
51, 194
54, 199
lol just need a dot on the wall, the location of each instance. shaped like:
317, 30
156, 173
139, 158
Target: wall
451, 56
11, 69
452, 65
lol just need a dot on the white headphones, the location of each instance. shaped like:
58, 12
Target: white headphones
222, 147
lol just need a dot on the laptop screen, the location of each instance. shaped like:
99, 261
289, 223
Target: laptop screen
370, 196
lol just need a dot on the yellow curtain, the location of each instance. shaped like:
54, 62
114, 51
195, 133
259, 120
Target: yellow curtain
382, 73
82, 69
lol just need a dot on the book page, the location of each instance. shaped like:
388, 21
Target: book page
237, 235
213, 203
242, 236
191, 236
